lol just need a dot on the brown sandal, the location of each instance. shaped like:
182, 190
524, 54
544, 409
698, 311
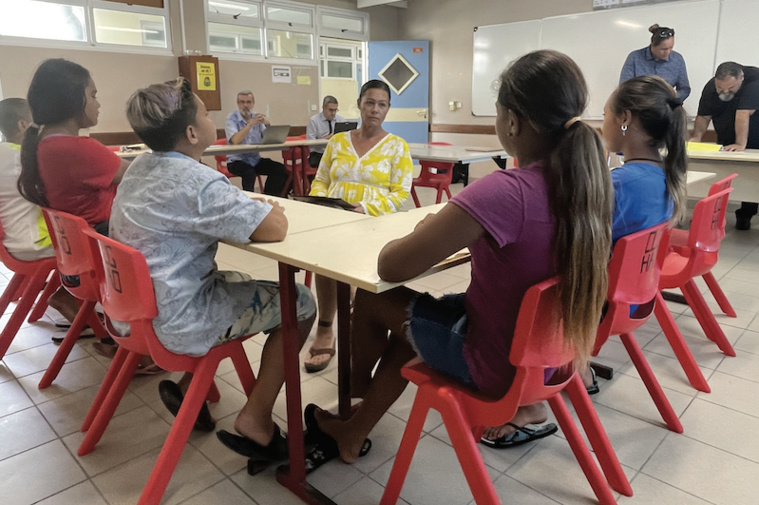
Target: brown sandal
321, 366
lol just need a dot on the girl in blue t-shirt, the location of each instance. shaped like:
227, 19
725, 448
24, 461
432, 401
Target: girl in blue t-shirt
643, 118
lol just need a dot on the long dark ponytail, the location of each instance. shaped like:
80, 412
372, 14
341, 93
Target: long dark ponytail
547, 89
661, 115
55, 95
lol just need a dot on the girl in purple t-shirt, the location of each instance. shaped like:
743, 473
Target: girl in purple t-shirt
550, 217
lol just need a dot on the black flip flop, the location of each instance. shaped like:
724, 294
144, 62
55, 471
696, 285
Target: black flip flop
593, 388
325, 447
259, 457
521, 435
172, 397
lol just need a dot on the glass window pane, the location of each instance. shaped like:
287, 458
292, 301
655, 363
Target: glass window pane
340, 52
234, 39
341, 23
42, 20
288, 16
238, 9
340, 69
129, 28
285, 44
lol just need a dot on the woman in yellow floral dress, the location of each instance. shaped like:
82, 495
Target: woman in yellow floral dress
369, 168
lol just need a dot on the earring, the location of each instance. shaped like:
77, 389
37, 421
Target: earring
624, 129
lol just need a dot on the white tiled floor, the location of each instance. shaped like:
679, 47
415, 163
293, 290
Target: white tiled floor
716, 459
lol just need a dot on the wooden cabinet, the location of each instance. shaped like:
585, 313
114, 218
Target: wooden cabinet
203, 74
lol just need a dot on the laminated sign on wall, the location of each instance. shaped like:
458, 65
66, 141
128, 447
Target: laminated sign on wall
206, 72
281, 73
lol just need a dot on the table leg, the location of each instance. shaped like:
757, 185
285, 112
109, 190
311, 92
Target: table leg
293, 476
344, 348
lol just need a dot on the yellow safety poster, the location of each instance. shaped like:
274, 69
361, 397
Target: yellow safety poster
206, 76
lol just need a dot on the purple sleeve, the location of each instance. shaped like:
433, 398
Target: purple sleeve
497, 203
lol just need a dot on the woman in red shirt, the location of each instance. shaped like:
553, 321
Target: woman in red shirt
60, 169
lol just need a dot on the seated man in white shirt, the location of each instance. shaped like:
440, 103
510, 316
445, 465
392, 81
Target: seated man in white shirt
322, 126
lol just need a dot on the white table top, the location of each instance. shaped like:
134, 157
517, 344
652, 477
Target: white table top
693, 176
359, 243
454, 154
240, 148
749, 155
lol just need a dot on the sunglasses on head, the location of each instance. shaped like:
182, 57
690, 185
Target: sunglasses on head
665, 33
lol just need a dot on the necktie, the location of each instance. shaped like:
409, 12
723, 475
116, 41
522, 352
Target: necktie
330, 126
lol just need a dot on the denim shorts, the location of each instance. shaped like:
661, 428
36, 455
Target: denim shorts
436, 330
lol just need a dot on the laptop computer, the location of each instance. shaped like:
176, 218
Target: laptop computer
275, 134
344, 126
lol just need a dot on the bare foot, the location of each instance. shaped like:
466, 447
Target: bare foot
325, 339
529, 414
348, 441
65, 303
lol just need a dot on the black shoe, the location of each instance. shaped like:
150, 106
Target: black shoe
742, 222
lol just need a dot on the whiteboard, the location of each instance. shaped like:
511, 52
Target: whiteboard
496, 46
738, 32
600, 41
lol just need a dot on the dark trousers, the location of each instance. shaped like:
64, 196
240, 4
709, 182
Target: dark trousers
274, 172
314, 158
747, 210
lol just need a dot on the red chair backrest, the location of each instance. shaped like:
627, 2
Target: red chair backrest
721, 185
126, 294
707, 227
634, 272
74, 253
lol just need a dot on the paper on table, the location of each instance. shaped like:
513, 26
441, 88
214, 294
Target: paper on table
484, 149
703, 147
461, 256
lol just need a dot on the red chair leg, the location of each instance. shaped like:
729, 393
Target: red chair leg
653, 386
180, 431
406, 450
30, 293
413, 195
307, 279
719, 295
110, 377
213, 395
12, 292
111, 401
72, 335
680, 348
705, 317
39, 308
447, 192
439, 197
588, 416
465, 445
244, 372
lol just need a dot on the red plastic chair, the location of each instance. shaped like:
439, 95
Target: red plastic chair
538, 344
298, 170
75, 257
634, 280
221, 165
126, 292
28, 280
706, 232
679, 243
439, 180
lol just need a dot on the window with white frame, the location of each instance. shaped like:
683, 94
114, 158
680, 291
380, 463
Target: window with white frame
277, 30
87, 23
343, 24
